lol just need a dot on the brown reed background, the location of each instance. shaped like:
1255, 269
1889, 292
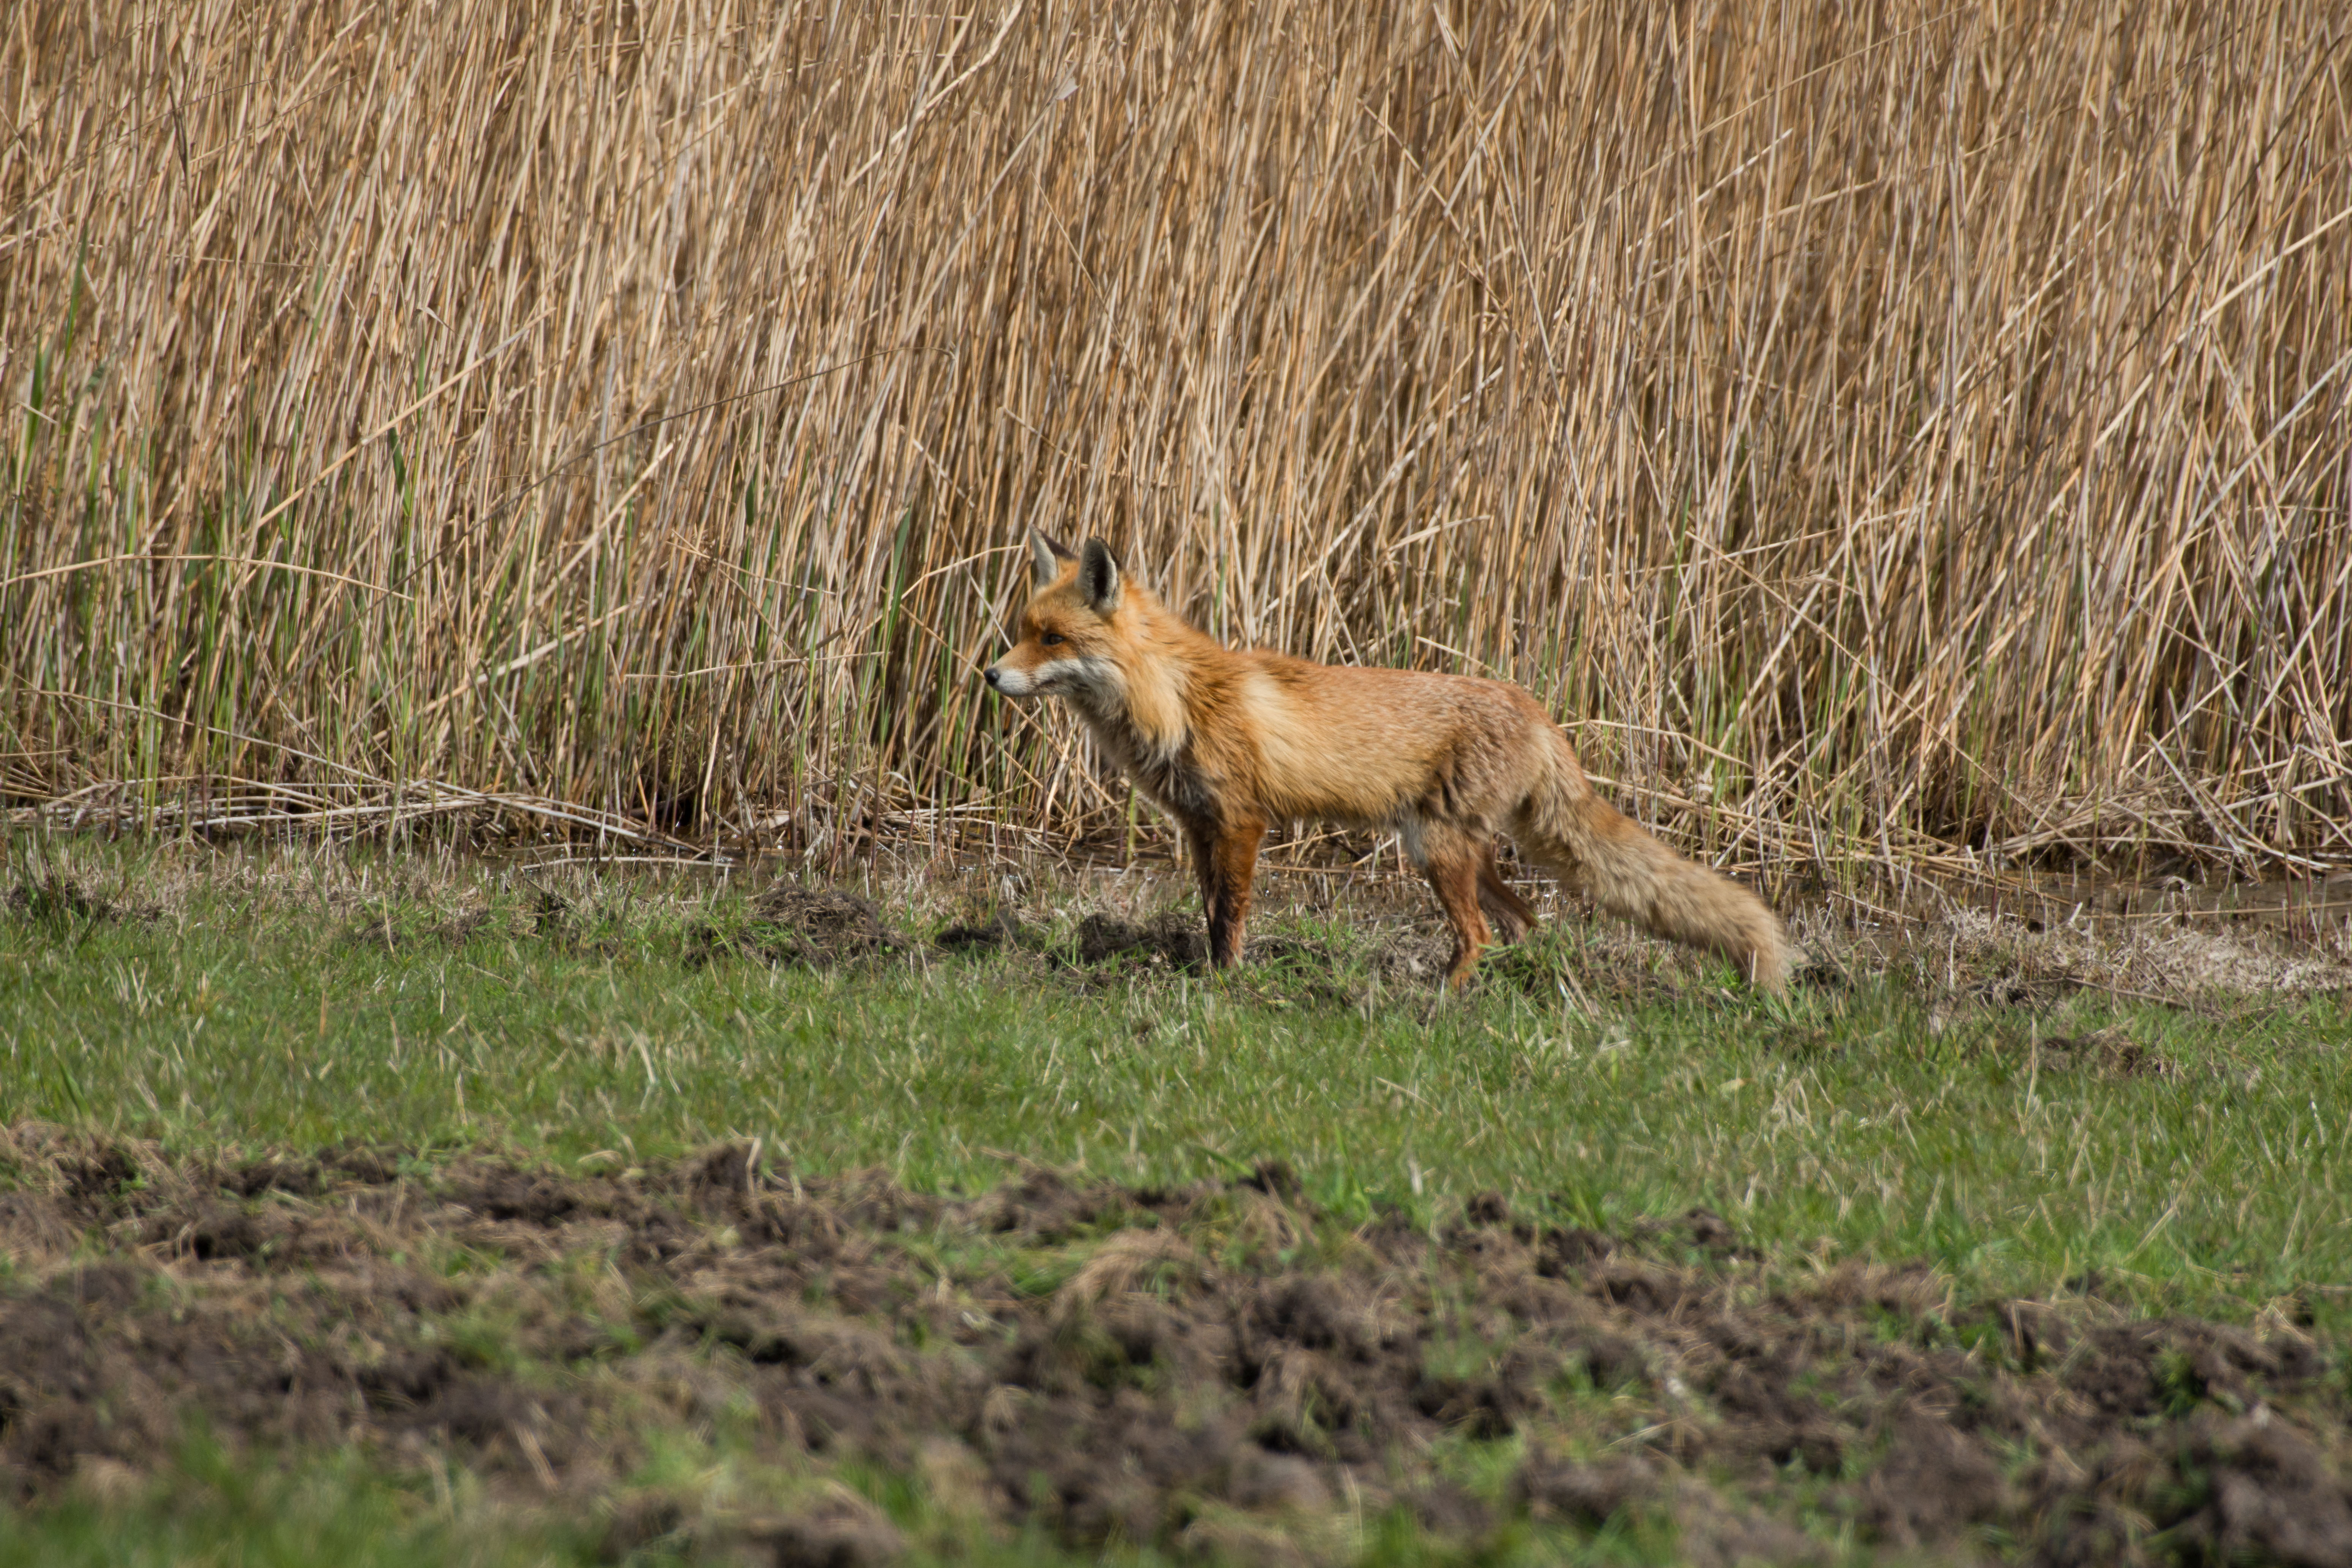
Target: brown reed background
1885, 435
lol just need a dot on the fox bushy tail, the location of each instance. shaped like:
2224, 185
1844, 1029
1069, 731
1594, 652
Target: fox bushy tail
1592, 846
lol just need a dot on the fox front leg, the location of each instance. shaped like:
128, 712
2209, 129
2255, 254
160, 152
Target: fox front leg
1225, 855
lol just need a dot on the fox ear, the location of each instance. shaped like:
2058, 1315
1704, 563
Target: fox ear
1099, 577
1045, 557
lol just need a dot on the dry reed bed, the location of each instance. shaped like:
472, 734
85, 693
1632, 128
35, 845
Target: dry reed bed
1890, 434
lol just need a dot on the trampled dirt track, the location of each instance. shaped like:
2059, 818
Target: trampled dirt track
1215, 1367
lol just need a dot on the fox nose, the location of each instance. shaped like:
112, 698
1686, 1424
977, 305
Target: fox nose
990, 674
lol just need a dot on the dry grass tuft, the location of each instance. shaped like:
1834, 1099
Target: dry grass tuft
1877, 432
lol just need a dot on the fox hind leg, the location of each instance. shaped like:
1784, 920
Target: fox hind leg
1513, 916
1453, 867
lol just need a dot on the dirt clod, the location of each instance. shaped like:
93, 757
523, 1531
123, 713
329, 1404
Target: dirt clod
639, 1521
1001, 930
1488, 1208
1932, 1483
2272, 1500
1589, 1495
1168, 939
839, 1538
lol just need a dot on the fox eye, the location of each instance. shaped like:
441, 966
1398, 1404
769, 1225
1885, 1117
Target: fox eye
1051, 639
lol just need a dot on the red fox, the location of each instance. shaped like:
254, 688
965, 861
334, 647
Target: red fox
1228, 743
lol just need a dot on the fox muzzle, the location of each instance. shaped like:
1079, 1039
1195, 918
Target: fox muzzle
1007, 681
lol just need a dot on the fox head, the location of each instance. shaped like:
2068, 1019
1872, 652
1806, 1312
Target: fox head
1069, 641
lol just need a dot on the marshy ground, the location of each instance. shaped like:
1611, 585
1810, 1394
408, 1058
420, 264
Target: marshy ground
467, 1212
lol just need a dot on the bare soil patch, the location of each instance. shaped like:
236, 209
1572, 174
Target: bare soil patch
821, 927
827, 927
1168, 939
1217, 1367
1002, 928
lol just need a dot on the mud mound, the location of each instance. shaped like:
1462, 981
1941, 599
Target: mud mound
1168, 941
821, 927
1001, 930
1218, 1368
827, 923
1417, 957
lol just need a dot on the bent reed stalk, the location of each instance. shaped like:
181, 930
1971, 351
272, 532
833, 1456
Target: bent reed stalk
1895, 437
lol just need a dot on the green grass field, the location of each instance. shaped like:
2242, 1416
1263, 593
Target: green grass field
1866, 1119
2153, 1158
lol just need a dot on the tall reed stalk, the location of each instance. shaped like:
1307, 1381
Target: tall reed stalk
1882, 434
